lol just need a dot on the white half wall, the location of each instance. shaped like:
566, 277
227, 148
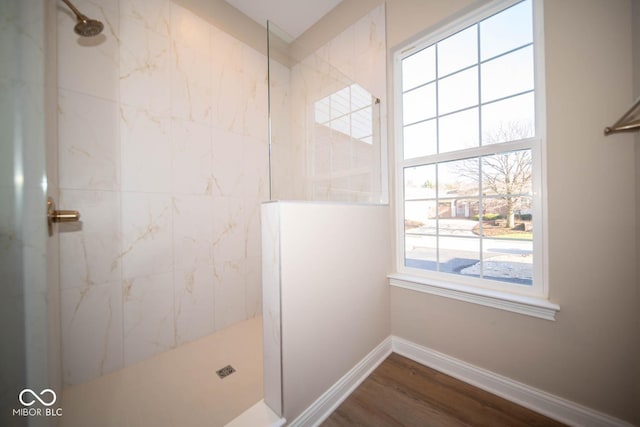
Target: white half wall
334, 300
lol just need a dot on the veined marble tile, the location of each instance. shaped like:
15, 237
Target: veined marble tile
253, 285
256, 167
370, 57
191, 83
230, 231
256, 191
226, 177
145, 140
145, 75
89, 146
229, 293
226, 51
148, 316
91, 331
193, 231
282, 170
280, 99
190, 101
342, 51
188, 132
252, 247
152, 15
146, 234
281, 155
90, 65
192, 160
194, 308
189, 29
229, 100
92, 7
255, 84
191, 44
89, 251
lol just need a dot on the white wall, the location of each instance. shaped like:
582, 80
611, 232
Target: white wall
163, 150
333, 260
590, 353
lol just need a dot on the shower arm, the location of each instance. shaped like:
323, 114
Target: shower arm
75, 10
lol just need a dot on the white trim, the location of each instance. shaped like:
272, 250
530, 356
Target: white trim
527, 305
541, 228
319, 410
552, 406
484, 150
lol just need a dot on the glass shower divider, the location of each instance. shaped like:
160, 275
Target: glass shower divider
325, 128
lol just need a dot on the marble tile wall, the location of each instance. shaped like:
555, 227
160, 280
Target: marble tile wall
163, 149
330, 168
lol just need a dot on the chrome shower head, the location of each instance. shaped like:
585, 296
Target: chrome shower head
85, 27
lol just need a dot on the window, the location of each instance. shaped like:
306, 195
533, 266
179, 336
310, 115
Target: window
470, 153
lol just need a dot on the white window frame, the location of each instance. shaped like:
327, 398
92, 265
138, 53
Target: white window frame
531, 300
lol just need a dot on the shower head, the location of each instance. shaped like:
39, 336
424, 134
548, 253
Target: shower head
88, 27
85, 27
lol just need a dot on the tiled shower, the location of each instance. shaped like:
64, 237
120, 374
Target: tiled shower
167, 133
163, 149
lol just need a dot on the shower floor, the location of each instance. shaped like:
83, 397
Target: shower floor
177, 388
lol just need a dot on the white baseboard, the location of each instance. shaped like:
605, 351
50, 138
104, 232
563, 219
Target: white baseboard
542, 402
332, 398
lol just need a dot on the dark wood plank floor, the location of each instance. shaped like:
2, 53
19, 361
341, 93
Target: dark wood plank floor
401, 392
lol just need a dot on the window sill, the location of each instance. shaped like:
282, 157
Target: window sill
530, 306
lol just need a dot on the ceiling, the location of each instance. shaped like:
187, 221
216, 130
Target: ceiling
292, 16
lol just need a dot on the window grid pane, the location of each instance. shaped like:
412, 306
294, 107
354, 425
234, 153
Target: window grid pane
445, 232
498, 34
419, 68
508, 74
419, 104
457, 51
458, 91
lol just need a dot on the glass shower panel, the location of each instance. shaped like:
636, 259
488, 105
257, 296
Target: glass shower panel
25, 294
325, 126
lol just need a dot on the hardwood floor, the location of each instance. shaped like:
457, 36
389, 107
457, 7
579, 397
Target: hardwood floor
401, 392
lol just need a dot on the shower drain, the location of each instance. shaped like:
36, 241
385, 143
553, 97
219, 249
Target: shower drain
226, 371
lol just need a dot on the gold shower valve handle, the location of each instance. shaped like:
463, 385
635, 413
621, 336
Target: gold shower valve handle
65, 216
54, 215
